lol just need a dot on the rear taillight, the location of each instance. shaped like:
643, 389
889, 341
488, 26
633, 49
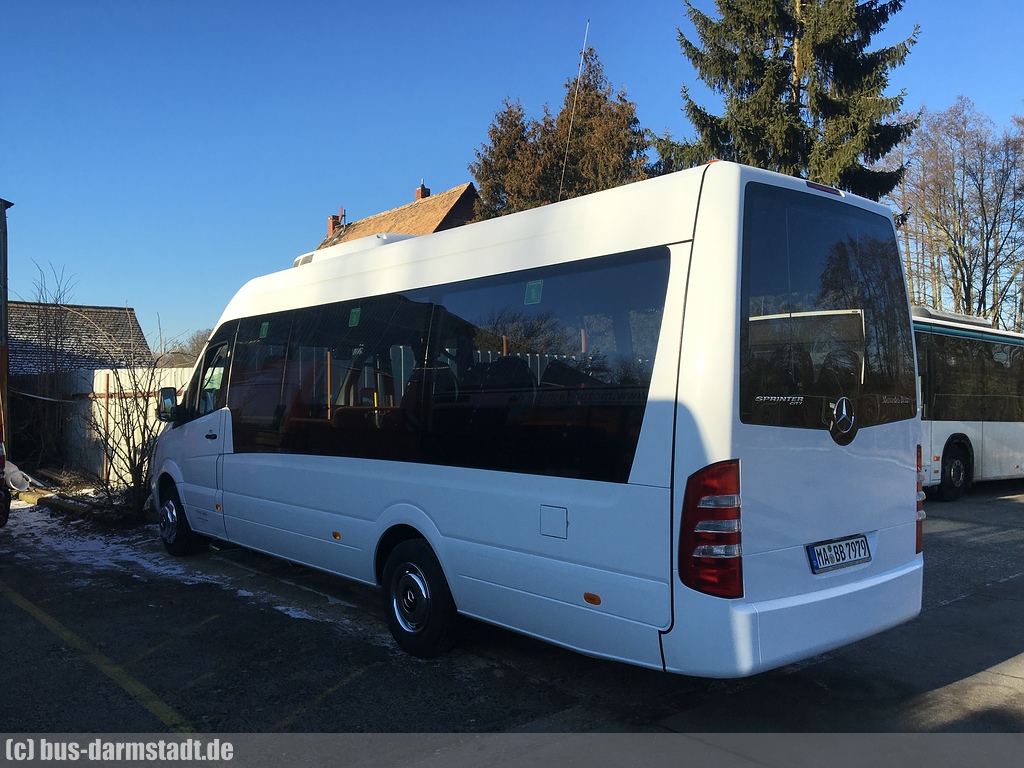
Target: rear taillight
920, 504
710, 552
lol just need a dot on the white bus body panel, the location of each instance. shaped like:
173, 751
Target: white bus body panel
486, 526
797, 487
998, 448
1002, 454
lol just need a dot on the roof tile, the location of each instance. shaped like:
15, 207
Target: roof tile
65, 337
444, 210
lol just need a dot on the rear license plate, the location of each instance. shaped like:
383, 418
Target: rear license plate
839, 553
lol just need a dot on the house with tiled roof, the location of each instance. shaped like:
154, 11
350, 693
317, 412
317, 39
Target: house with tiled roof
53, 349
424, 215
50, 338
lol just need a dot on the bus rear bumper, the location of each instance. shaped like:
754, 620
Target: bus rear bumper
733, 638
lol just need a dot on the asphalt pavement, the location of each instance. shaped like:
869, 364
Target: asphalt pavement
103, 632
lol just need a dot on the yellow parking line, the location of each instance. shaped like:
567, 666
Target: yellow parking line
315, 701
170, 641
129, 684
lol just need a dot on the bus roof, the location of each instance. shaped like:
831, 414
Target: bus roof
658, 211
970, 326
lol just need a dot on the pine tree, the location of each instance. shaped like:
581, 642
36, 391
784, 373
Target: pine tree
803, 93
595, 142
503, 166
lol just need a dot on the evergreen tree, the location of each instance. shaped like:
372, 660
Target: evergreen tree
803, 93
503, 166
595, 142
596, 137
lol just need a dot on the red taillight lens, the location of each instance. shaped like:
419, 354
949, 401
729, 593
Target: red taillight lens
710, 552
919, 547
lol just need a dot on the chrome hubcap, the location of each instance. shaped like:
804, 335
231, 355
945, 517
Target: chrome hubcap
957, 472
168, 521
410, 598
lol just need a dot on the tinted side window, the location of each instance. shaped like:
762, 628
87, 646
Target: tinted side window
546, 371
258, 397
1004, 376
354, 369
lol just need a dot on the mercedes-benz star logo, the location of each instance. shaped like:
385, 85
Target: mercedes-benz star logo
843, 416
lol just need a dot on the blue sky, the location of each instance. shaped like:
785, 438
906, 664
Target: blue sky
160, 153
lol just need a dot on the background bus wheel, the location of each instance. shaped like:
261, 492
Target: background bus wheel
956, 474
175, 532
419, 606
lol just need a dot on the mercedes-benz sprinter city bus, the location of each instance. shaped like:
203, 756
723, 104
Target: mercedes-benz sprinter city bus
673, 424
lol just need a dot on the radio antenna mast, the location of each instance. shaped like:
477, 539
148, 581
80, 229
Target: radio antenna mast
572, 112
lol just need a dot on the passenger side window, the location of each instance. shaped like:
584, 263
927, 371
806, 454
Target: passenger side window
331, 380
258, 397
547, 371
208, 389
374, 346
543, 371
213, 391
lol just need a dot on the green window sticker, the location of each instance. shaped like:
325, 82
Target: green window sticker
534, 289
264, 329
353, 317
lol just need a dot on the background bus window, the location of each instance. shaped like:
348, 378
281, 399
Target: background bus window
972, 379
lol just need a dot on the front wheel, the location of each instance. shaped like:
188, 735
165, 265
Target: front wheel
956, 474
175, 532
418, 604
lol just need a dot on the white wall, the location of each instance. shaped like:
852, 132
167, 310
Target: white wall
106, 400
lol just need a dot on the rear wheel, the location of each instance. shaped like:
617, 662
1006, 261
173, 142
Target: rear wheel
418, 604
956, 473
175, 532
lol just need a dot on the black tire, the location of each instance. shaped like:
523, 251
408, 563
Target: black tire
418, 604
5, 503
956, 474
175, 532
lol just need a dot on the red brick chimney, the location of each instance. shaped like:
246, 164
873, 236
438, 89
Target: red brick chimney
334, 222
422, 191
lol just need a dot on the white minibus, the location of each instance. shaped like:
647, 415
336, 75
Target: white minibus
673, 424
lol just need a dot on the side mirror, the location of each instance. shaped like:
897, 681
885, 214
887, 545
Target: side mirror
167, 408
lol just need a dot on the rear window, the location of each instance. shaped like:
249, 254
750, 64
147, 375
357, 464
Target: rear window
825, 335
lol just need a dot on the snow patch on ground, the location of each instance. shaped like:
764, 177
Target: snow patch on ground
63, 540
138, 552
298, 613
58, 541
